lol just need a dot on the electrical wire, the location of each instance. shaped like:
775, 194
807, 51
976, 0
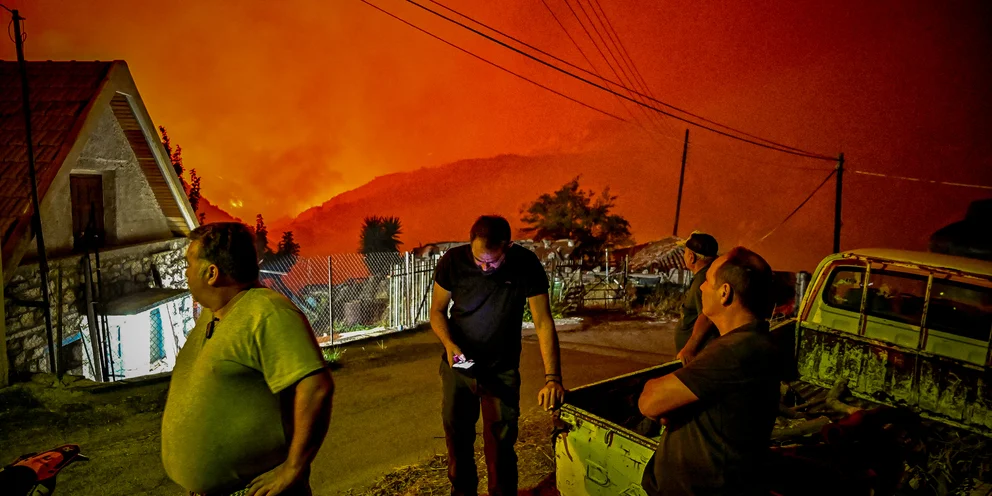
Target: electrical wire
916, 179
625, 60
623, 84
607, 80
432, 35
778, 148
787, 217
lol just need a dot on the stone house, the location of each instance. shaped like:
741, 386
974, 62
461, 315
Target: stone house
115, 220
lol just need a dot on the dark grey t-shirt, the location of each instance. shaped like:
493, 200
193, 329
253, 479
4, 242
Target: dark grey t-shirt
717, 445
692, 307
487, 314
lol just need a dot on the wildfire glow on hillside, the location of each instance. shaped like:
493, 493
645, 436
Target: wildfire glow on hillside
281, 108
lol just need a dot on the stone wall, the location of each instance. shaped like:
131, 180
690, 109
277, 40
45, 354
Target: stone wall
124, 270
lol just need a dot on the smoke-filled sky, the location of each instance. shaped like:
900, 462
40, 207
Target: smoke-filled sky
282, 105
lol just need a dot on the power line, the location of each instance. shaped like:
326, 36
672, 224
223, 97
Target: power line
532, 47
607, 80
916, 179
787, 217
625, 61
623, 84
432, 35
789, 150
623, 50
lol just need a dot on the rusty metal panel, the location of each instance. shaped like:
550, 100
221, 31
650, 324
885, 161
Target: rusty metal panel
938, 387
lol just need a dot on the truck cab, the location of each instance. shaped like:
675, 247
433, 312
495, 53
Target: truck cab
906, 329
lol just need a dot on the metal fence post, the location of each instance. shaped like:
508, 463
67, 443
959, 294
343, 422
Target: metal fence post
330, 298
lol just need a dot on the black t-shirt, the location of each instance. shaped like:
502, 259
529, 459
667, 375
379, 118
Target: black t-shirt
716, 445
488, 310
692, 307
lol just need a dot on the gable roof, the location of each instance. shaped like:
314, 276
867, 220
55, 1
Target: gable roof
63, 96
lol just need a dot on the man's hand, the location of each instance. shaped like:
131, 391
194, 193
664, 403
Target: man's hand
686, 355
274, 481
451, 352
551, 396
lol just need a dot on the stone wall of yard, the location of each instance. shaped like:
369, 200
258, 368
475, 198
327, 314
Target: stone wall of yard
124, 270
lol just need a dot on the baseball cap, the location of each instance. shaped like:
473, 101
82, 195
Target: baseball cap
701, 243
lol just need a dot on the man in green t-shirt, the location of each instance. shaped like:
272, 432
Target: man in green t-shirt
250, 397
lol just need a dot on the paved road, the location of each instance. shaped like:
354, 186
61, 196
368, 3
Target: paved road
388, 415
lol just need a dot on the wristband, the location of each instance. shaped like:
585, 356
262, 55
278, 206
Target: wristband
552, 380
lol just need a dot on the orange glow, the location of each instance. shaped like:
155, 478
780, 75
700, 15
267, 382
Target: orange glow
281, 106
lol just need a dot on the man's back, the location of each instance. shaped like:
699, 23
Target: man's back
715, 445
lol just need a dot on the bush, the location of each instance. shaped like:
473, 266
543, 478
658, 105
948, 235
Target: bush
558, 310
665, 299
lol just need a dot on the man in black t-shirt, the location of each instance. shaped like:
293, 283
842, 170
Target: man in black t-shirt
694, 330
489, 281
719, 409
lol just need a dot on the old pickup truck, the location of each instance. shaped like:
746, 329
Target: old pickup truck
903, 329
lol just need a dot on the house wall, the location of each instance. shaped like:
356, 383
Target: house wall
124, 270
131, 212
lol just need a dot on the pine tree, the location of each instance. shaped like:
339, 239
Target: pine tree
175, 156
194, 190
261, 238
288, 246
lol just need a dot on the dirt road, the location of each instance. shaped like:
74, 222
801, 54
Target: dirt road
386, 414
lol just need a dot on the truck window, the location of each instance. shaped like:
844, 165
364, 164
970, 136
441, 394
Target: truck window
844, 288
959, 319
837, 304
894, 306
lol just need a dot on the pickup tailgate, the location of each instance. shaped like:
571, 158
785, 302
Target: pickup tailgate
600, 452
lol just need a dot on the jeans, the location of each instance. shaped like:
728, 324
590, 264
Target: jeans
497, 395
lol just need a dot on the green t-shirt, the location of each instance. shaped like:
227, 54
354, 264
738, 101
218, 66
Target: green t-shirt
223, 420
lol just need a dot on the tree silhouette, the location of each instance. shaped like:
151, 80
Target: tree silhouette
176, 156
194, 190
380, 234
577, 214
262, 238
288, 246
379, 243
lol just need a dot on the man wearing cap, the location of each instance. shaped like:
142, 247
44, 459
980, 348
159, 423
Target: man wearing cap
694, 330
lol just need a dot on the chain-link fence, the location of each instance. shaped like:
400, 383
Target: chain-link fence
347, 296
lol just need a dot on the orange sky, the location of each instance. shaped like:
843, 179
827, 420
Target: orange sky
281, 105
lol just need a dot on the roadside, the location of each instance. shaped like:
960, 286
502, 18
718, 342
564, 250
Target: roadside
386, 415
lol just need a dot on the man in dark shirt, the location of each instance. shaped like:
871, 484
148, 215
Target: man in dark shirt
720, 408
490, 280
694, 330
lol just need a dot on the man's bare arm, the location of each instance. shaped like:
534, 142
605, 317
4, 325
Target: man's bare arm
553, 392
662, 395
439, 320
547, 336
311, 399
700, 328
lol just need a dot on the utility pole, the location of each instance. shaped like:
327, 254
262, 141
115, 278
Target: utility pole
838, 202
36, 215
678, 204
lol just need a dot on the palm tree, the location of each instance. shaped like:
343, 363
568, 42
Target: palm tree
379, 243
380, 234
